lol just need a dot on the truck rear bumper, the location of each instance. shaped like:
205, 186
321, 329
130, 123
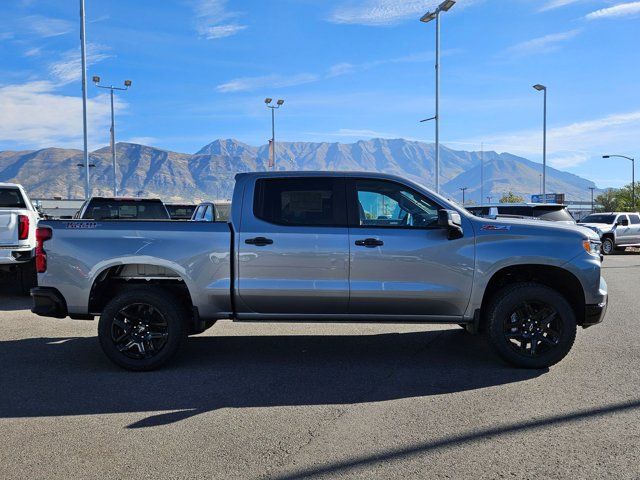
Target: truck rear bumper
15, 255
48, 302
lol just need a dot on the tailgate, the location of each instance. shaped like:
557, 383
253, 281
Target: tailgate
8, 228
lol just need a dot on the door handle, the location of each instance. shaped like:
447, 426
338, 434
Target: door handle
369, 242
258, 241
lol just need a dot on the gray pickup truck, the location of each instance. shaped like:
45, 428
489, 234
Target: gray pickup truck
323, 247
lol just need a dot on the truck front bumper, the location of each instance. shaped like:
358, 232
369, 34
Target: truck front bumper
48, 302
594, 313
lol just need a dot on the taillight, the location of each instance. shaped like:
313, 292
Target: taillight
23, 227
42, 235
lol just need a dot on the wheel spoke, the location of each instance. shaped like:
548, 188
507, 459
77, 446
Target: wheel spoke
534, 345
126, 346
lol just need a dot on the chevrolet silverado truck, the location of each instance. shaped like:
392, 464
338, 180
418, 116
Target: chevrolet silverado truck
323, 247
18, 219
616, 230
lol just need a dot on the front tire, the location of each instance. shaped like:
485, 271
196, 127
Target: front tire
142, 328
531, 325
608, 246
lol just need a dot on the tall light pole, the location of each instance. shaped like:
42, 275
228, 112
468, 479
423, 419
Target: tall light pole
111, 88
463, 190
633, 177
273, 108
83, 52
426, 18
593, 208
542, 88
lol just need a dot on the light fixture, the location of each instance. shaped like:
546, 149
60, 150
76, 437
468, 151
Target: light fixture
446, 5
539, 87
280, 102
268, 100
96, 79
427, 17
127, 83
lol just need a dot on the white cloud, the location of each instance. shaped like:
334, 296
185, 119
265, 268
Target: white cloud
339, 69
69, 67
221, 31
33, 115
386, 12
46, 26
571, 145
212, 19
141, 140
617, 11
553, 4
545, 44
245, 84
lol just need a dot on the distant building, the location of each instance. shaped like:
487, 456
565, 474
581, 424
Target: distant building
58, 207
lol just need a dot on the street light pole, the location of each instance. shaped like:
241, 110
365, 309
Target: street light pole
83, 52
426, 18
273, 108
542, 88
633, 177
463, 190
111, 88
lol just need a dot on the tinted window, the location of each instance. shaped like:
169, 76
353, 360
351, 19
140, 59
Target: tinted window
623, 220
635, 219
553, 214
105, 209
387, 204
599, 218
300, 201
11, 198
180, 211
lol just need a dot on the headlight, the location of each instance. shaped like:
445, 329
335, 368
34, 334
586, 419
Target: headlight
592, 247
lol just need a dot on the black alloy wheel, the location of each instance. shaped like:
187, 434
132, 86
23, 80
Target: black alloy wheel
139, 330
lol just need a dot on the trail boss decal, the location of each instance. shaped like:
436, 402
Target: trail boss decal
81, 225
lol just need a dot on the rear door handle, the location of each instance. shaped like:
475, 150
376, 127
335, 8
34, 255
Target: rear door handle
258, 241
369, 242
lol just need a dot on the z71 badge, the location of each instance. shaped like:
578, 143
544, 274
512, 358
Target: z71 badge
81, 225
495, 228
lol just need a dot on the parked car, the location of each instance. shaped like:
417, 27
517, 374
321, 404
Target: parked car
329, 247
105, 208
553, 212
616, 229
18, 220
180, 211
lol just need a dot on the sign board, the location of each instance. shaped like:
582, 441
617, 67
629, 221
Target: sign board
551, 198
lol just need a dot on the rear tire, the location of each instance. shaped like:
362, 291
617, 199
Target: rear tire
27, 277
531, 325
142, 328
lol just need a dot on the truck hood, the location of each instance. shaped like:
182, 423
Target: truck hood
597, 227
535, 227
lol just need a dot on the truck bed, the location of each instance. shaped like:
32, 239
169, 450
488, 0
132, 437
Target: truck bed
82, 251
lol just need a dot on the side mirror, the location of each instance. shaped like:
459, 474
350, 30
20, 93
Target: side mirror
451, 220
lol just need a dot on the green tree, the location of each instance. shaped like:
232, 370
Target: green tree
618, 199
511, 197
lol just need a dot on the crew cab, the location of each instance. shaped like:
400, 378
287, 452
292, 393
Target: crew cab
18, 220
616, 230
324, 247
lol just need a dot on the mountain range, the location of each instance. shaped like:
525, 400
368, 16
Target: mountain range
209, 173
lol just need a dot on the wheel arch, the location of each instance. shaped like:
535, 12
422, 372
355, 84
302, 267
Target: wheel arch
557, 278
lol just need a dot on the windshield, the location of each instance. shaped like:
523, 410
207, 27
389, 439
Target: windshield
599, 218
11, 198
126, 210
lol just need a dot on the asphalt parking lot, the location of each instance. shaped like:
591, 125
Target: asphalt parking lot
322, 401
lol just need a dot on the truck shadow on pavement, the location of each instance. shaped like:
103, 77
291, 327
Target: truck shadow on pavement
59, 376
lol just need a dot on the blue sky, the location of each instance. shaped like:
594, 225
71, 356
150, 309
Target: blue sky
348, 70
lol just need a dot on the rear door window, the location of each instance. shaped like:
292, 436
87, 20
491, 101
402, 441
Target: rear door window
311, 201
635, 219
